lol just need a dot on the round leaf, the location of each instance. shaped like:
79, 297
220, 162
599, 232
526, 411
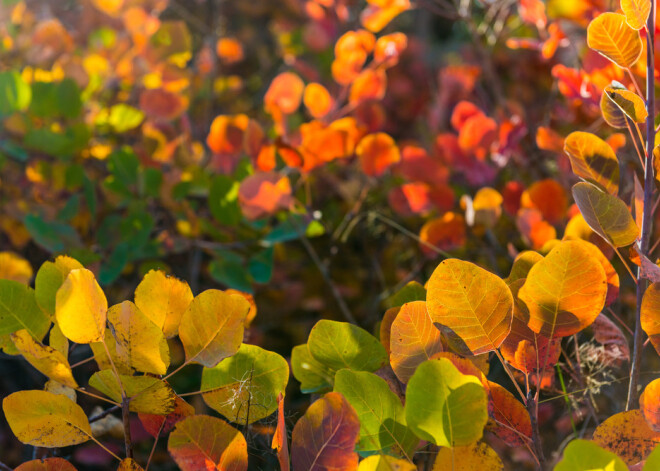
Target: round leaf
19, 310
314, 377
584, 454
49, 279
148, 395
81, 307
593, 159
474, 457
45, 359
476, 304
649, 314
610, 35
629, 103
627, 435
637, 12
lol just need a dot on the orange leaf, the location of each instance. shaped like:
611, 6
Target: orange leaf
610, 35
160, 425
280, 437
637, 12
548, 139
376, 153
325, 437
284, 93
477, 134
463, 111
549, 197
317, 100
48, 464
389, 48
410, 198
593, 159
649, 314
417, 165
229, 50
262, 194
413, 339
379, 13
512, 421
445, 233
533, 12
649, 404
534, 229
202, 442
226, 134
160, 104
371, 84
628, 435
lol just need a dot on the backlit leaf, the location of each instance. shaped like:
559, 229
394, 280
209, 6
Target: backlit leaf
593, 159
564, 292
474, 303
627, 435
340, 345
385, 463
244, 388
49, 279
41, 418
629, 103
14, 267
325, 437
610, 35
413, 339
148, 394
48, 464
204, 442
376, 153
46, 359
650, 320
511, 419
280, 437
263, 194
606, 214
101, 356
163, 299
477, 456
458, 412
637, 12
318, 100
584, 454
522, 264
649, 404
611, 112
19, 310
212, 327
314, 377
412, 291
160, 425
140, 342
284, 93
382, 420
549, 197
81, 307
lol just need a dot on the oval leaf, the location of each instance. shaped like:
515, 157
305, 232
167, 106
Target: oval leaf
637, 12
649, 404
49, 279
629, 103
205, 442
19, 310
48, 464
627, 435
610, 35
584, 454
593, 159
325, 437
650, 320
474, 457
41, 418
81, 307
45, 359
476, 304
148, 395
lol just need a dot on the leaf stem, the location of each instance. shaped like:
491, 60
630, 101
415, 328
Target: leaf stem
632, 275
513, 379
647, 215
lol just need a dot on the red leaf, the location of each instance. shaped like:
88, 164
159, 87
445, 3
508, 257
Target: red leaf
152, 423
280, 440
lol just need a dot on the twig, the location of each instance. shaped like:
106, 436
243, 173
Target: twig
104, 414
4, 467
126, 419
536, 436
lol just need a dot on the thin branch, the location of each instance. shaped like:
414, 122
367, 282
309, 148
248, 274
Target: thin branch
632, 275
4, 467
104, 414
82, 362
513, 379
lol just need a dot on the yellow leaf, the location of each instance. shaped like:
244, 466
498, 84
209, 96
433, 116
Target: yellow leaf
610, 35
212, 327
14, 267
163, 299
129, 464
101, 357
611, 112
606, 214
45, 359
58, 341
637, 12
41, 418
593, 159
140, 342
148, 395
81, 307
649, 314
564, 292
58, 388
386, 463
476, 457
629, 103
476, 304
523, 262
49, 279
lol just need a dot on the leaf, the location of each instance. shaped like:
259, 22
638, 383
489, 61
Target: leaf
48, 464
610, 35
205, 442
123, 117
280, 437
160, 425
413, 339
584, 454
101, 357
637, 12
606, 214
263, 194
244, 388
58, 341
547, 196
15, 93
511, 419
412, 291
474, 303
458, 413
477, 456
19, 310
608, 334
50, 277
325, 437
385, 463
140, 342
340, 345
212, 327
45, 359
649, 314
649, 404
318, 100
629, 103
627, 435
653, 460
376, 153
314, 376
612, 114
593, 159
564, 292
41, 418
284, 93
14, 267
523, 262
81, 307
382, 420
148, 395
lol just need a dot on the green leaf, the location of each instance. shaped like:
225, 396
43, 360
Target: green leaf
459, 410
314, 229
340, 345
149, 395
261, 265
15, 94
19, 310
124, 164
580, 455
56, 99
653, 460
228, 270
123, 117
223, 200
314, 377
49, 279
244, 387
382, 420
413, 291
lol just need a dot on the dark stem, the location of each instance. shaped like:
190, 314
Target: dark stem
103, 414
536, 436
4, 467
647, 215
125, 414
